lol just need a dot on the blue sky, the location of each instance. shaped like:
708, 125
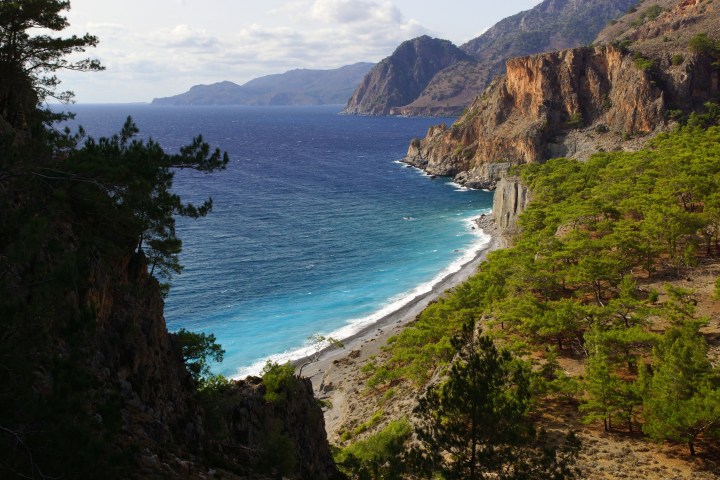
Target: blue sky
155, 48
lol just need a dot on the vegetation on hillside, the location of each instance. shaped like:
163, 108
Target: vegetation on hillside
571, 287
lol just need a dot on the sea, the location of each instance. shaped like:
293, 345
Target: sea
317, 227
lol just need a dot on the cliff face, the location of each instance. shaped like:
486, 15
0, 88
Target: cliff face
400, 78
568, 103
132, 355
288, 435
551, 25
510, 200
98, 384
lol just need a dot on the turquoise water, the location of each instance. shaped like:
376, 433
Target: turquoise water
316, 228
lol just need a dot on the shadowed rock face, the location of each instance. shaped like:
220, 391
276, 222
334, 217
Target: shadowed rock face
401, 77
101, 349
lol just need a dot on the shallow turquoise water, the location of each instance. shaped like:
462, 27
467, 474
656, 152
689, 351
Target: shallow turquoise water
316, 227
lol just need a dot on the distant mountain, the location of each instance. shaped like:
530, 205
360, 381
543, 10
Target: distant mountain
551, 25
296, 87
401, 77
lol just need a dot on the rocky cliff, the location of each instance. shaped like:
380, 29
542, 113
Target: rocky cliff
572, 103
551, 25
400, 78
510, 200
98, 386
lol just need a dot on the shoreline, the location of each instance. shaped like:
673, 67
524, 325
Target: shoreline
325, 373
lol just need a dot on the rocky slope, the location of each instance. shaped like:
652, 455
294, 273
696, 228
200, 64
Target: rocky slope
97, 384
401, 77
551, 25
576, 102
296, 87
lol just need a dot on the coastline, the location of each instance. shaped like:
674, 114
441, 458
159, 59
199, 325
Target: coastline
335, 373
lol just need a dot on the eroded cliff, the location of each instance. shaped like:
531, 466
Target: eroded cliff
575, 102
550, 25
510, 200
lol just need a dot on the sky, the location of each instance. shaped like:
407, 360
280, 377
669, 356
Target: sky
158, 48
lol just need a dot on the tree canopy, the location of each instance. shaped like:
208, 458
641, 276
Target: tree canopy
594, 231
28, 62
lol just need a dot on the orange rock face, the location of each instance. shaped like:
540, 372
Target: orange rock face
567, 103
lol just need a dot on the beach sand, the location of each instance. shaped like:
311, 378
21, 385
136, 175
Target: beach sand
336, 375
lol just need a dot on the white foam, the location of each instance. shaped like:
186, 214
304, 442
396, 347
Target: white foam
457, 187
418, 170
354, 326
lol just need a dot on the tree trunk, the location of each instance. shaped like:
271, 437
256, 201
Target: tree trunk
691, 446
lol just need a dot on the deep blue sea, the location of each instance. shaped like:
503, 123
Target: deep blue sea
316, 226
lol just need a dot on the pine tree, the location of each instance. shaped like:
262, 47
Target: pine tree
683, 398
476, 423
28, 62
601, 385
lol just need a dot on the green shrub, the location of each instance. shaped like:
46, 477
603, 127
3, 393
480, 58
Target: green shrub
372, 421
703, 44
674, 114
643, 63
653, 12
378, 456
278, 380
653, 296
217, 400
197, 350
716, 291
677, 59
576, 121
602, 128
276, 454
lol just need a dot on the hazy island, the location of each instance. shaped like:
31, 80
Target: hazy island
295, 87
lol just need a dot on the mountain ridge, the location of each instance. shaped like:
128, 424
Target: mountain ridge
551, 25
294, 87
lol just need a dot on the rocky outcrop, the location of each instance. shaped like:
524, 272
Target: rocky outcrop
510, 200
99, 385
400, 78
133, 356
568, 103
285, 436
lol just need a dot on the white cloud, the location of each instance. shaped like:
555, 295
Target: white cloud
315, 34
352, 11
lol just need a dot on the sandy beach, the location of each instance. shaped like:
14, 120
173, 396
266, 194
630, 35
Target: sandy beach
336, 375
